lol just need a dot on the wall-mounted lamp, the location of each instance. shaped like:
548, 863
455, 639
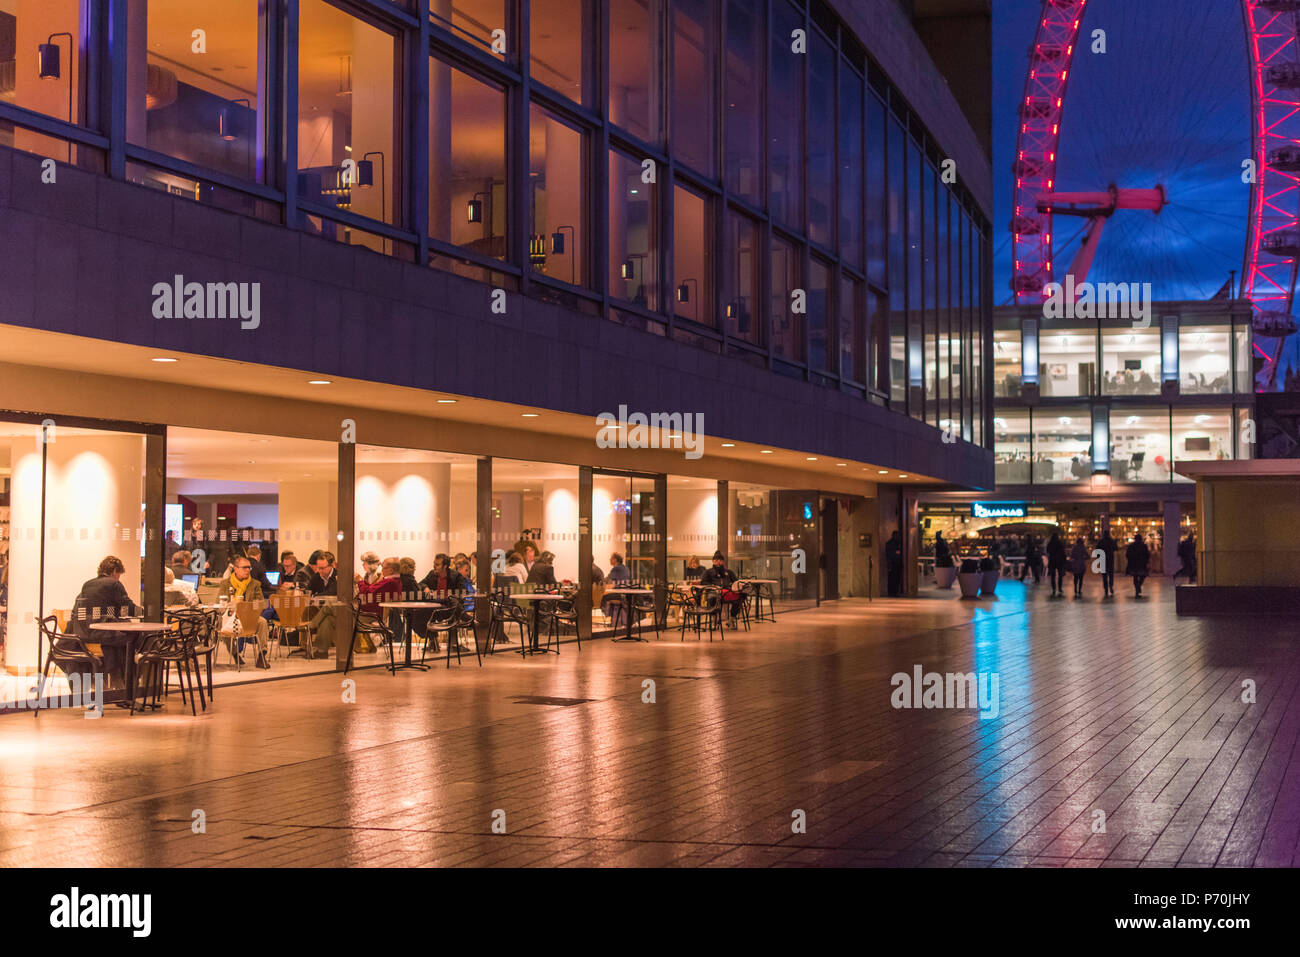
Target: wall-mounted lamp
225, 121
47, 59
474, 208
684, 290
557, 246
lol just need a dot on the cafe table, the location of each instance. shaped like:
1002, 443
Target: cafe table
758, 597
626, 594
404, 608
136, 632
537, 598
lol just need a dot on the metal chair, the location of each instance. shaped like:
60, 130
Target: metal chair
371, 626
643, 605
155, 661
708, 609
504, 613
65, 649
560, 614
448, 622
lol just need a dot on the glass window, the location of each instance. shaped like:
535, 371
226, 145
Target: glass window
557, 184
1204, 358
1062, 445
897, 148
787, 325
915, 299
741, 271
1201, 435
633, 233
978, 264
785, 119
877, 197
536, 505
819, 312
694, 72
1245, 435
1130, 361
693, 256
821, 140
956, 318
744, 99
943, 312
200, 107
1067, 361
346, 134
474, 21
634, 72
929, 286
1244, 352
766, 525
850, 126
1011, 459
877, 360
1139, 444
851, 332
44, 72
467, 161
558, 28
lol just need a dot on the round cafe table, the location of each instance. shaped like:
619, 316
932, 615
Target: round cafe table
626, 594
758, 597
136, 631
404, 608
537, 598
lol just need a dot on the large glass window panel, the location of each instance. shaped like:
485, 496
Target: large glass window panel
878, 340
851, 332
467, 161
1244, 349
557, 183
877, 199
346, 94
1062, 445
474, 21
766, 525
930, 286
1201, 435
741, 271
943, 311
25, 27
819, 313
956, 318
1205, 358
1011, 447
915, 297
692, 256
787, 325
979, 318
1139, 444
851, 166
897, 200
1245, 434
821, 140
635, 53
633, 233
1130, 361
785, 118
1067, 361
744, 100
561, 51
200, 107
692, 524
695, 36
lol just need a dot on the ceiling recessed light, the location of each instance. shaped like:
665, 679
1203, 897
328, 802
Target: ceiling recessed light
318, 382
529, 415
840, 465
162, 359
446, 401
728, 445
884, 471
764, 451
811, 458
902, 475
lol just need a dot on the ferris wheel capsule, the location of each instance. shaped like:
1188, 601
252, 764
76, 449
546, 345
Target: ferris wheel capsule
1278, 6
1027, 285
1285, 75
1285, 158
1273, 323
1283, 242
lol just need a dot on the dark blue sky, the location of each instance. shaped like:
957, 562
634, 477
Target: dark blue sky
1168, 103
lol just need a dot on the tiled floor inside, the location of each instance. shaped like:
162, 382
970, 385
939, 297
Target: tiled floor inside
1114, 707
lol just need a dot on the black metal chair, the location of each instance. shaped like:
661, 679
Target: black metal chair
65, 649
206, 626
558, 615
373, 627
191, 627
506, 612
152, 665
643, 605
707, 610
448, 622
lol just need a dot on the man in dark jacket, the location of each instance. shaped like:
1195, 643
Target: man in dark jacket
1056, 564
1108, 547
1138, 558
543, 570
942, 554
723, 577
104, 598
894, 564
443, 578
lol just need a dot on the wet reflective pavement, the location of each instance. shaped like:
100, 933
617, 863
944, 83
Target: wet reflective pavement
780, 746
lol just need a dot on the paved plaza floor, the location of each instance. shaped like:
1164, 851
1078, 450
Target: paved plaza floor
778, 746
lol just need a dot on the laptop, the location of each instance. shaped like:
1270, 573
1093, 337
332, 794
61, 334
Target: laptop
273, 578
192, 579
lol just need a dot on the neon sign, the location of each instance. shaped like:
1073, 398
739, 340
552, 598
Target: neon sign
998, 510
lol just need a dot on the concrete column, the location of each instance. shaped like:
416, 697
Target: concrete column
345, 550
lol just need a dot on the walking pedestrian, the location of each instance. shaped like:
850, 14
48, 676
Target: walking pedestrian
1056, 564
1033, 560
894, 563
1138, 559
1108, 547
1078, 565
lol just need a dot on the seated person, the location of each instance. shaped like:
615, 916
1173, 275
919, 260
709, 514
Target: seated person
463, 568
254, 555
319, 618
723, 577
619, 575
188, 592
370, 562
443, 578
323, 579
180, 564
242, 586
693, 569
292, 574
104, 598
387, 588
543, 571
515, 567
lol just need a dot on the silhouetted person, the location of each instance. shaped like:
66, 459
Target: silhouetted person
1056, 564
1078, 565
1108, 547
1033, 560
1187, 554
894, 564
942, 554
1138, 558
